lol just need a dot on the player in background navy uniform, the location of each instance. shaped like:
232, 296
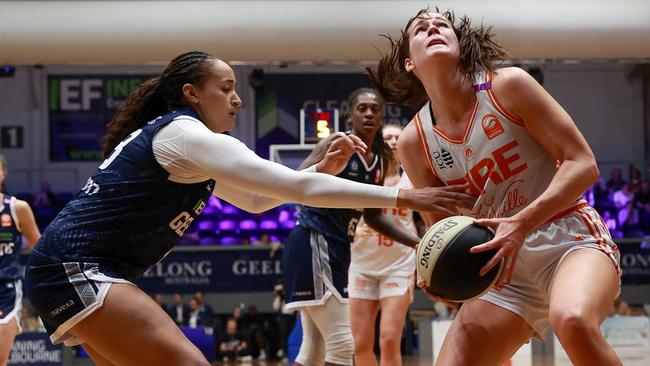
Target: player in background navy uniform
316, 256
166, 154
16, 220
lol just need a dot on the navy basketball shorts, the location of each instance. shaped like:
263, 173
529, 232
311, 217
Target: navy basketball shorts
11, 295
314, 268
63, 294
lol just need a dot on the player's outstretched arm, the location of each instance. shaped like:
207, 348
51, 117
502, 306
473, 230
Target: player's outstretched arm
332, 161
238, 166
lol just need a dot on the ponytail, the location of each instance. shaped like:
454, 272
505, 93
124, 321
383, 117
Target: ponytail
156, 96
143, 105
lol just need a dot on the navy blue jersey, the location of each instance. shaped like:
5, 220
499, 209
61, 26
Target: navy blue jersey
129, 215
10, 241
341, 223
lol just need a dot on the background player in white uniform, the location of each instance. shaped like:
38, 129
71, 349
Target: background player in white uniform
381, 276
501, 132
16, 219
166, 154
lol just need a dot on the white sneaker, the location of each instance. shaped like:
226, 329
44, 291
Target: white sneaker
262, 355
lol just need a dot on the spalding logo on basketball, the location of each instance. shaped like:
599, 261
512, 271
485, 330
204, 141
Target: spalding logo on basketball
447, 266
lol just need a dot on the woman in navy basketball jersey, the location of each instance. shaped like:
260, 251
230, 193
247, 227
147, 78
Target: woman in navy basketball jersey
528, 164
166, 154
316, 256
16, 219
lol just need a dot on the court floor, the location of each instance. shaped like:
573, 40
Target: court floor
629, 360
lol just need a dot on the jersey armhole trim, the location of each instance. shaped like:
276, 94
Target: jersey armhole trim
516, 120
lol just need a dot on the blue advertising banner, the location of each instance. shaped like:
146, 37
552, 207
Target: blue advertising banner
635, 263
79, 107
237, 270
35, 349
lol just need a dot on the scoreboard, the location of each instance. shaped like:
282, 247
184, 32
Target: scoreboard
317, 123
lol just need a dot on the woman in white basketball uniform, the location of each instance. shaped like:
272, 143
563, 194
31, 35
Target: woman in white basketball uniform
528, 164
381, 276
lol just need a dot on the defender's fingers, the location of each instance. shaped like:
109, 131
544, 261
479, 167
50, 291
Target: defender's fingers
493, 262
486, 222
357, 141
483, 247
456, 187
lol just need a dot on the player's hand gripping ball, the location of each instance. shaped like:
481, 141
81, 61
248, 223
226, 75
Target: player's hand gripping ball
446, 265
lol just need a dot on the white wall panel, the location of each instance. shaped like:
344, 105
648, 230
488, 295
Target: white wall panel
47, 32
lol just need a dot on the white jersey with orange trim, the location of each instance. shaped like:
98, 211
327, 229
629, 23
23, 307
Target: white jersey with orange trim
376, 255
504, 165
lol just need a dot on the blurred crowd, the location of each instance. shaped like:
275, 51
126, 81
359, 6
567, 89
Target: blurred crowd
244, 334
624, 204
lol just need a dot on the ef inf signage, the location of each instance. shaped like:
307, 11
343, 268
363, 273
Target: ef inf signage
79, 107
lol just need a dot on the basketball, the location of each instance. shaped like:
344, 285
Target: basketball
447, 266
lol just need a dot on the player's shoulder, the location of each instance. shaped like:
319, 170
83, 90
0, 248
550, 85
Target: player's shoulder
21, 206
409, 137
510, 79
513, 87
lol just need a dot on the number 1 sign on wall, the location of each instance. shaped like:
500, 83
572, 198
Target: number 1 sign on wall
12, 137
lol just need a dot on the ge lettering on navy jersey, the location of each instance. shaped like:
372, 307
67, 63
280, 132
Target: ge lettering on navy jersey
342, 223
10, 241
129, 215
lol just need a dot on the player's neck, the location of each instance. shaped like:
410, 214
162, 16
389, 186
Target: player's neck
451, 95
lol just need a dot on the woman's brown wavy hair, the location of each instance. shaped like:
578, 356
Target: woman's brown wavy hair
478, 51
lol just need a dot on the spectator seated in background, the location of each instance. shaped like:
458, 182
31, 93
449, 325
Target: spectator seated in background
284, 321
46, 205
255, 331
233, 347
198, 318
46, 198
179, 311
628, 219
633, 178
599, 197
616, 181
622, 197
642, 203
29, 322
206, 312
